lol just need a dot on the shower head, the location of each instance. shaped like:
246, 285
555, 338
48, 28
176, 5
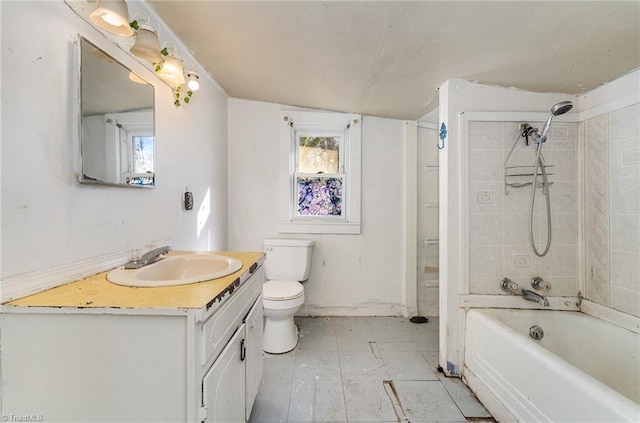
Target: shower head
557, 110
561, 108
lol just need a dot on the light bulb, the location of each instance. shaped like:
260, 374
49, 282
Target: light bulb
193, 84
111, 19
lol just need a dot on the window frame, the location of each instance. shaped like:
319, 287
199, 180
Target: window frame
293, 125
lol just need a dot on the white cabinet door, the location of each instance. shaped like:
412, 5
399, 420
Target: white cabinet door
254, 362
223, 386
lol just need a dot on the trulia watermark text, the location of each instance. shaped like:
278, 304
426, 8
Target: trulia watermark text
22, 418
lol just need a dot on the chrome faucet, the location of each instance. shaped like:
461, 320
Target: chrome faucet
535, 297
148, 258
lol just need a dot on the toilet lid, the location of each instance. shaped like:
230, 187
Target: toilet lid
282, 290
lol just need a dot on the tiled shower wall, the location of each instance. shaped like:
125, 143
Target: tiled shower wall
499, 219
612, 209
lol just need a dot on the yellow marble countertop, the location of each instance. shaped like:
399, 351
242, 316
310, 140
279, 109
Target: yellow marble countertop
97, 292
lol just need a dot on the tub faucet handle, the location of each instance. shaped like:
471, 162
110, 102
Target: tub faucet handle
538, 283
507, 285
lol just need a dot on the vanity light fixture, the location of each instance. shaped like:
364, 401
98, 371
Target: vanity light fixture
192, 80
113, 17
147, 45
171, 70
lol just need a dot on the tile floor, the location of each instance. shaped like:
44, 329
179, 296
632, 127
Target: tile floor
363, 369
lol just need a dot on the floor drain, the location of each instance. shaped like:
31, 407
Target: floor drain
418, 319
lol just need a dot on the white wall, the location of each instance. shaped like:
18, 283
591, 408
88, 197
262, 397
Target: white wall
351, 274
48, 219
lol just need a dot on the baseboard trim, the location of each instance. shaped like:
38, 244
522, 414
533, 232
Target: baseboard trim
409, 311
348, 311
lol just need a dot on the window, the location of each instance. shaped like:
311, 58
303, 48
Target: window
143, 153
319, 173
138, 155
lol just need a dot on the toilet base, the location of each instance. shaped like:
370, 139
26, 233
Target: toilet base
280, 336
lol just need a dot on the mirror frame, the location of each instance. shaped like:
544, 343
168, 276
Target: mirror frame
118, 56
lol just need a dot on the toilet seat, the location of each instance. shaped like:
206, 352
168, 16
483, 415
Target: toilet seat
282, 290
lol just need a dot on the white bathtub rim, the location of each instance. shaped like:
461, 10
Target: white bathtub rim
626, 407
615, 317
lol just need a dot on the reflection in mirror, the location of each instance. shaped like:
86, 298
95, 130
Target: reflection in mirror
117, 122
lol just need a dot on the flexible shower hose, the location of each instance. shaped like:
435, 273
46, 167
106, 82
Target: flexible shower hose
545, 189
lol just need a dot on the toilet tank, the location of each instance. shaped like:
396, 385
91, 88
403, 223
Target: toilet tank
287, 259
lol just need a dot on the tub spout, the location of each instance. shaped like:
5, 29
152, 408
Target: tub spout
535, 297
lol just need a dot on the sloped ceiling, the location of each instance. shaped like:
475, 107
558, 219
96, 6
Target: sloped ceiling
388, 58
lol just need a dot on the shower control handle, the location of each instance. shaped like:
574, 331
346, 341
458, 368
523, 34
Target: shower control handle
538, 283
507, 285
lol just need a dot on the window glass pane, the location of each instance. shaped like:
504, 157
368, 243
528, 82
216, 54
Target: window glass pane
319, 154
142, 154
319, 196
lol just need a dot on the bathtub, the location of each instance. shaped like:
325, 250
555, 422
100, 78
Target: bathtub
582, 370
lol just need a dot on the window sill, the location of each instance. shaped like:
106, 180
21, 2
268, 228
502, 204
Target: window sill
318, 228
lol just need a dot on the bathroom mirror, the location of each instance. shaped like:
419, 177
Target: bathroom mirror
117, 122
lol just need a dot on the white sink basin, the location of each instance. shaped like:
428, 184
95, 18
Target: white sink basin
177, 270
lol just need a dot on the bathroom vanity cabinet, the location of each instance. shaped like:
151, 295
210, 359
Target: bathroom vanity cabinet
185, 353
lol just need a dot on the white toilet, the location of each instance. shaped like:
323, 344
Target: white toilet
288, 262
